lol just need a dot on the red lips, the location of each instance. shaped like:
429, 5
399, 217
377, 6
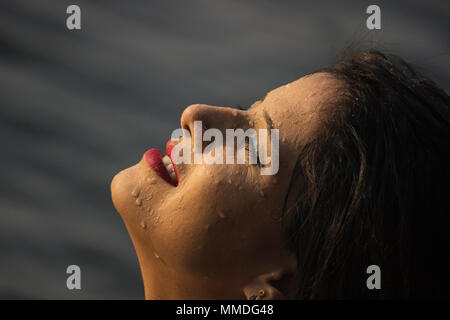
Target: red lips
153, 157
169, 146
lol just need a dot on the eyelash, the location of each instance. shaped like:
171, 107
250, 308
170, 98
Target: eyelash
247, 148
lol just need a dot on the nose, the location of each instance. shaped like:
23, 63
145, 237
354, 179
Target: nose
211, 117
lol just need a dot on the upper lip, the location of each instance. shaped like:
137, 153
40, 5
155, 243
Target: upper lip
154, 159
169, 146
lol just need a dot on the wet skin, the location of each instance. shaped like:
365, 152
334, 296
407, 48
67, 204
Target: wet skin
219, 229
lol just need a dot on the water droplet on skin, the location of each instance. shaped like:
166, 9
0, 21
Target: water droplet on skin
149, 197
156, 255
221, 214
143, 225
262, 194
151, 180
135, 192
139, 202
229, 181
250, 123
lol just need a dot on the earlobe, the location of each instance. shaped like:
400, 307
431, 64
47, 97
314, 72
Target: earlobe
275, 285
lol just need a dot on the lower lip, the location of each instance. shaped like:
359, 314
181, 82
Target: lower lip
153, 157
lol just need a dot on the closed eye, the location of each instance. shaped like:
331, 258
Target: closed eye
253, 149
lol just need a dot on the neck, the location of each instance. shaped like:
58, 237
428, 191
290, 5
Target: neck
162, 282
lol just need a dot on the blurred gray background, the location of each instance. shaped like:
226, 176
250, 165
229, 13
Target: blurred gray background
78, 106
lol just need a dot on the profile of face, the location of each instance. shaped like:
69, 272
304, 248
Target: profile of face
216, 232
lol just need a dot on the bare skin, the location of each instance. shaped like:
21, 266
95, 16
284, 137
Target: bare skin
217, 235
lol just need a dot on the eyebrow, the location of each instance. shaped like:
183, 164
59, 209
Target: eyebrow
259, 100
263, 97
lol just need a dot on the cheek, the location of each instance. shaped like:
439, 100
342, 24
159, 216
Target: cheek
213, 226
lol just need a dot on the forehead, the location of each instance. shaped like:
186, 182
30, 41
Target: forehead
294, 107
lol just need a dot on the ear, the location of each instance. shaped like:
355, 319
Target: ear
276, 285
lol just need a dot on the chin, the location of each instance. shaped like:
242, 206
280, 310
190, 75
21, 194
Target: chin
137, 193
121, 188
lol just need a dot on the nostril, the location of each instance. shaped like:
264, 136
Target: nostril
188, 129
194, 112
188, 117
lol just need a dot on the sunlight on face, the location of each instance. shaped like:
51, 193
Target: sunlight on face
220, 225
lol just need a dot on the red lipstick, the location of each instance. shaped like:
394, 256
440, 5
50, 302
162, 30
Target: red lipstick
154, 159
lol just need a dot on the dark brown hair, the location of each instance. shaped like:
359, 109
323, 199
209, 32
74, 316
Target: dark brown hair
373, 186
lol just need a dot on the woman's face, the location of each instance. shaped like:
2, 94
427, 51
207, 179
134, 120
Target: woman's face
219, 227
